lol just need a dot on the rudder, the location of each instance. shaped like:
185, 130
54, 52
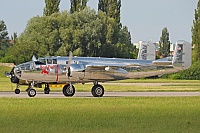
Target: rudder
146, 51
182, 58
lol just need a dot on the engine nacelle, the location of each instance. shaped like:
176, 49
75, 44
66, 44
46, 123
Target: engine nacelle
117, 70
77, 67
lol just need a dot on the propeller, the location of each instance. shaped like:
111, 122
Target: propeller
68, 65
69, 70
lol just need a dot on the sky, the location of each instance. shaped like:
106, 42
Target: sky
145, 19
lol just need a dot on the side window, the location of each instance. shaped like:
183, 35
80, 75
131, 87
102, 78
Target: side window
22, 67
27, 66
49, 61
54, 61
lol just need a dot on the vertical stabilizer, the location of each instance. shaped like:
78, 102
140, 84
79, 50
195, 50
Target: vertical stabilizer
182, 58
34, 58
146, 51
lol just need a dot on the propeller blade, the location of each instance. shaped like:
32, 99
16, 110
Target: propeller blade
70, 59
7, 74
68, 65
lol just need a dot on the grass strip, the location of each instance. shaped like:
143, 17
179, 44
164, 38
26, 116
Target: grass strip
144, 114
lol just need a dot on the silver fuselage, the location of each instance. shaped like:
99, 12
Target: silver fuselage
83, 69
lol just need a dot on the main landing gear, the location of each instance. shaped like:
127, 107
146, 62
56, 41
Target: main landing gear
31, 92
97, 90
68, 90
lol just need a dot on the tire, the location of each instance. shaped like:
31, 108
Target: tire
17, 91
67, 91
31, 92
97, 91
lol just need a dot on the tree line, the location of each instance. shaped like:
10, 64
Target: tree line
82, 30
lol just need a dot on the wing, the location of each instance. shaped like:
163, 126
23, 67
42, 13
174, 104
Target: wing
108, 66
163, 62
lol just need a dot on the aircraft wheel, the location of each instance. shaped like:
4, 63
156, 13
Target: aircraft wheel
68, 90
17, 91
46, 91
97, 91
31, 92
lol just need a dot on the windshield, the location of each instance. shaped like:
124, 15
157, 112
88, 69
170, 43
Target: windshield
42, 60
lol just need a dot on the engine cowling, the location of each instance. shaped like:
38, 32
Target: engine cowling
77, 67
13, 77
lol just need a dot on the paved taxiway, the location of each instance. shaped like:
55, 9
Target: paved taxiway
107, 94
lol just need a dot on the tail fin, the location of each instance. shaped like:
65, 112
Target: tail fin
182, 55
146, 51
34, 58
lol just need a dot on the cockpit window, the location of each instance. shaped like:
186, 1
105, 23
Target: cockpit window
42, 60
39, 63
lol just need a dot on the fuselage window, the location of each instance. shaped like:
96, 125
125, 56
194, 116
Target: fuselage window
27, 66
22, 67
49, 61
54, 61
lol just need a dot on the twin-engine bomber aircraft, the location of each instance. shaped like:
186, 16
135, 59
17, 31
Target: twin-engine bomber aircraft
71, 70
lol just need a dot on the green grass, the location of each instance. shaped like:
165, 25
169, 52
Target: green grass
132, 88
157, 80
3, 69
141, 115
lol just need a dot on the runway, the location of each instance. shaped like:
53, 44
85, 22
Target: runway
107, 94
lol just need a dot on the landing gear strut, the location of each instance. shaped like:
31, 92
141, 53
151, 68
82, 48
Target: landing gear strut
46, 89
17, 90
97, 90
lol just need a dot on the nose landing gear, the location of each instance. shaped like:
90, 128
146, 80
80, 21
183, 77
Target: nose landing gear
17, 90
